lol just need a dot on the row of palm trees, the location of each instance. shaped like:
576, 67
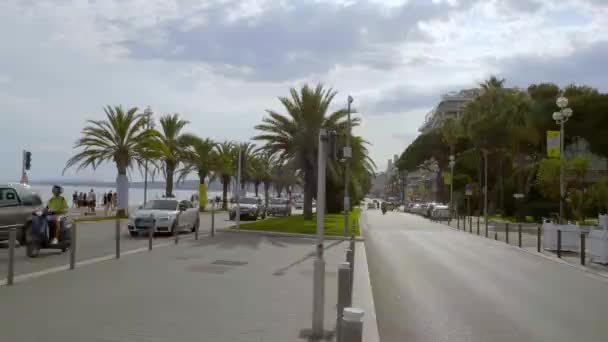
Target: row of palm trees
128, 139
288, 156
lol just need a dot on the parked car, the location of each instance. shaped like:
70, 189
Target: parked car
279, 207
299, 204
371, 205
250, 208
17, 203
167, 215
441, 212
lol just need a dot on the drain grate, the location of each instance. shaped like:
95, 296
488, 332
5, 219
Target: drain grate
229, 263
212, 269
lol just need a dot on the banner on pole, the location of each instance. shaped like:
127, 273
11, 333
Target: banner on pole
447, 179
553, 141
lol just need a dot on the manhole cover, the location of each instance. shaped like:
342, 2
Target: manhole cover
212, 269
229, 263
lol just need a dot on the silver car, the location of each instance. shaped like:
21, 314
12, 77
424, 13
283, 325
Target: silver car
279, 207
250, 208
17, 202
164, 215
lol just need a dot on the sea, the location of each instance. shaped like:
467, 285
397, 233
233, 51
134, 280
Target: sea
136, 195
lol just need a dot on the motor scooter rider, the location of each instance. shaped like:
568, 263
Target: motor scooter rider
383, 206
59, 207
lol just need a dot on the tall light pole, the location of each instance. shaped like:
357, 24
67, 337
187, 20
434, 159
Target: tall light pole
452, 163
318, 305
485, 186
238, 190
561, 118
148, 114
348, 152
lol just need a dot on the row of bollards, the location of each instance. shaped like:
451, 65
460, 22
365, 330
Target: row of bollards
349, 320
117, 239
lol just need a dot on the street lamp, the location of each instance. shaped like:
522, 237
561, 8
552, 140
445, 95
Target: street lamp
561, 118
452, 163
347, 156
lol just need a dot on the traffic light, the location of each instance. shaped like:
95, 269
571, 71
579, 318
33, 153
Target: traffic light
28, 160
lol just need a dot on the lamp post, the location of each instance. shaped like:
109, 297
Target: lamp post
561, 118
452, 163
347, 160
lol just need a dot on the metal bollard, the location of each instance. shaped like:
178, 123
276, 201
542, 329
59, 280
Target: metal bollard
583, 249
117, 238
352, 325
559, 243
486, 223
457, 222
495, 234
176, 230
538, 239
151, 235
507, 232
196, 228
477, 225
73, 242
470, 224
212, 221
344, 295
12, 237
519, 235
350, 258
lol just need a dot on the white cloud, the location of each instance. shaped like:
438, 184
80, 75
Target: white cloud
222, 62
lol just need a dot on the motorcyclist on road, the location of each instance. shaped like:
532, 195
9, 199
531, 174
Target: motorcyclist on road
59, 207
383, 206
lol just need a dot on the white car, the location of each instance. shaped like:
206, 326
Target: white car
163, 215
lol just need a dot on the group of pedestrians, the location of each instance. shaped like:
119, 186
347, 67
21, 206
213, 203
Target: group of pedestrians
89, 200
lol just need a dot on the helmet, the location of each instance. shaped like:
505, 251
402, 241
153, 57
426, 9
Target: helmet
57, 190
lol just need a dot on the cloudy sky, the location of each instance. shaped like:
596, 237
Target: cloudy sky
221, 63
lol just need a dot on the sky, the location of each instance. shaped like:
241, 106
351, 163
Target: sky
222, 63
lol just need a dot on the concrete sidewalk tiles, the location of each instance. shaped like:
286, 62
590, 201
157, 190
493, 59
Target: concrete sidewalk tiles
235, 287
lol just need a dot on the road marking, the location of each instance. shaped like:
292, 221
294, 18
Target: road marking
32, 275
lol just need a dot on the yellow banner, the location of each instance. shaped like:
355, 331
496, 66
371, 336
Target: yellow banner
553, 141
202, 196
447, 179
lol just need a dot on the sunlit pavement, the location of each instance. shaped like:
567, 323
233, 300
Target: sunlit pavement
433, 283
234, 287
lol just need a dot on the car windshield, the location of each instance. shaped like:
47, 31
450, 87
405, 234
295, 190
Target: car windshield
248, 200
278, 201
161, 205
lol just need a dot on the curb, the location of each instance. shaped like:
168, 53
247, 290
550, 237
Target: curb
281, 234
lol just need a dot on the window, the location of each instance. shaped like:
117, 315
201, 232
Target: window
31, 199
161, 205
8, 197
187, 204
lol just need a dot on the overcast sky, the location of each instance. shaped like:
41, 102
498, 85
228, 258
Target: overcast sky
221, 63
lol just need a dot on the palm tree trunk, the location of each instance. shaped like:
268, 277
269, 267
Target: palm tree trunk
122, 187
202, 192
257, 186
309, 191
170, 169
225, 181
266, 195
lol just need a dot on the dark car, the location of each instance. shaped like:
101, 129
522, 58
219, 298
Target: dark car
279, 207
17, 202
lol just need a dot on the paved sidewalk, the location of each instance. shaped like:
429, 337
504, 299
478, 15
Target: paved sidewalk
235, 287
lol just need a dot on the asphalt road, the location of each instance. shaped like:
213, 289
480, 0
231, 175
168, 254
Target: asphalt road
94, 240
432, 283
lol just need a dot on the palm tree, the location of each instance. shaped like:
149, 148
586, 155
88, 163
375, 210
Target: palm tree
121, 138
248, 155
169, 146
225, 167
295, 135
199, 157
263, 165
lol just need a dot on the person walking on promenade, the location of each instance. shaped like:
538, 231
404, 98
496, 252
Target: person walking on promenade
107, 202
115, 200
92, 201
75, 199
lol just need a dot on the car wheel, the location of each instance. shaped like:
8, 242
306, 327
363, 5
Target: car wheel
23, 235
133, 234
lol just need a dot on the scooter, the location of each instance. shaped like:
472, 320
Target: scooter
40, 234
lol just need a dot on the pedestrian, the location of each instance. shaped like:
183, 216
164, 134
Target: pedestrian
104, 200
107, 202
115, 200
92, 197
75, 199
